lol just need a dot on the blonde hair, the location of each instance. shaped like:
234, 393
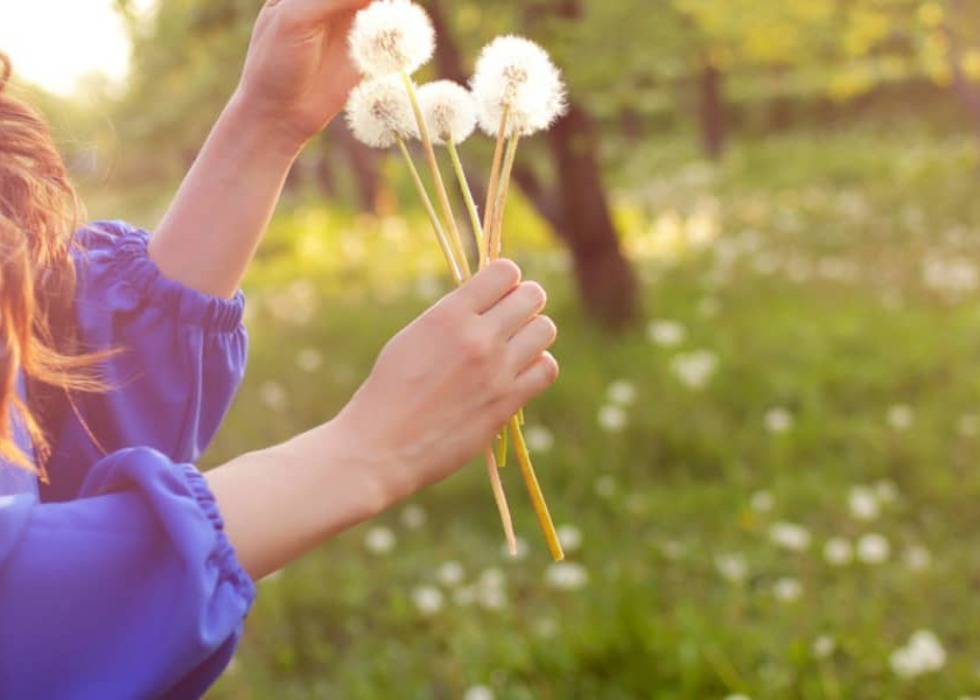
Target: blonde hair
38, 211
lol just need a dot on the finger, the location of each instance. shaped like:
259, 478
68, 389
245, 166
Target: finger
512, 312
541, 374
488, 286
530, 342
315, 11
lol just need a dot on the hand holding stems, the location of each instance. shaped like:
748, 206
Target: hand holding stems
439, 391
297, 77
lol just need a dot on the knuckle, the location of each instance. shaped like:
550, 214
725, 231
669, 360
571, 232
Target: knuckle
476, 346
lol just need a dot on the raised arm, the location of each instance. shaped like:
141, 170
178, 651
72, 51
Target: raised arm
296, 78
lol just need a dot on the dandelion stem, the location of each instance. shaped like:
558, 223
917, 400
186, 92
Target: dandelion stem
500, 498
498, 155
464, 186
496, 227
534, 490
444, 243
502, 448
440, 186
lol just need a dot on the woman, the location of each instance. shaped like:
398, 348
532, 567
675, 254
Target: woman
128, 573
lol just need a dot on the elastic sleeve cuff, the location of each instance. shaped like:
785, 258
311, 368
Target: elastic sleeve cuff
224, 553
125, 248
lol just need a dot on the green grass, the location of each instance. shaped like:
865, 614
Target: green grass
812, 299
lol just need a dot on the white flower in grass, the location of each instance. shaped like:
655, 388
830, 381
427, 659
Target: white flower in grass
968, 425
273, 396
613, 419
824, 646
428, 600
901, 417
666, 334
917, 558
479, 692
309, 360
567, 576
886, 491
622, 392
517, 75
413, 517
492, 598
605, 486
695, 369
778, 420
737, 696
379, 113
732, 567
449, 111
863, 503
539, 438
451, 574
762, 502
838, 551
873, 549
923, 653
390, 36
570, 538
787, 590
380, 540
795, 538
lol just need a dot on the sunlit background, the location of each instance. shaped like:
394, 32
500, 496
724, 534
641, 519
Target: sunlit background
56, 43
760, 233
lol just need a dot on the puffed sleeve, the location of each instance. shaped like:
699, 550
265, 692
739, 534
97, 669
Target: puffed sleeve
131, 591
180, 357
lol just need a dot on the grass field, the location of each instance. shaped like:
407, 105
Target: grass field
768, 489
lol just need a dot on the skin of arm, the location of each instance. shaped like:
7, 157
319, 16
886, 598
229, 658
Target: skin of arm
296, 78
438, 393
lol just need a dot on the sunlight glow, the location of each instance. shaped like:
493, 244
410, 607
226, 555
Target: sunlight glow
55, 43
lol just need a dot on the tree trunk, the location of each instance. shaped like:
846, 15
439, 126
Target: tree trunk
713, 124
605, 278
575, 205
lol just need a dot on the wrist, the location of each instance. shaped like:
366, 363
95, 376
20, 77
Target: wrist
261, 129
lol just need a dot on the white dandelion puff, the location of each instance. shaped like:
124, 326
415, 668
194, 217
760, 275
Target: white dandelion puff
380, 540
570, 538
516, 76
391, 36
863, 503
567, 576
380, 114
923, 653
778, 420
795, 538
838, 551
428, 600
787, 590
732, 567
613, 419
762, 501
873, 549
824, 646
478, 692
622, 392
449, 111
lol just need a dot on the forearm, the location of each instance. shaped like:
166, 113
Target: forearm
211, 230
281, 502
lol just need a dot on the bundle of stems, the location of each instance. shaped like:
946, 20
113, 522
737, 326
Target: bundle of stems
488, 241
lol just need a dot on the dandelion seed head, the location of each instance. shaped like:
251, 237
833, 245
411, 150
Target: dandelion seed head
449, 111
379, 113
838, 551
873, 548
824, 646
795, 538
391, 36
428, 600
380, 540
478, 692
787, 590
570, 538
567, 576
516, 75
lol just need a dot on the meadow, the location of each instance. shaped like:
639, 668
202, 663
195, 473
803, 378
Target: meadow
766, 489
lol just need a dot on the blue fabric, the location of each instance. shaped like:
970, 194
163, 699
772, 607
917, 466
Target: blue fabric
117, 581
181, 356
131, 590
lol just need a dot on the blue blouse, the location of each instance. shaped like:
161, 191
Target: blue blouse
117, 580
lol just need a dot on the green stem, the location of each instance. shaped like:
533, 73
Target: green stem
447, 249
534, 491
502, 448
464, 186
441, 195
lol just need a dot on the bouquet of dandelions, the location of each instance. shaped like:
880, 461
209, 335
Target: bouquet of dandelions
516, 91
